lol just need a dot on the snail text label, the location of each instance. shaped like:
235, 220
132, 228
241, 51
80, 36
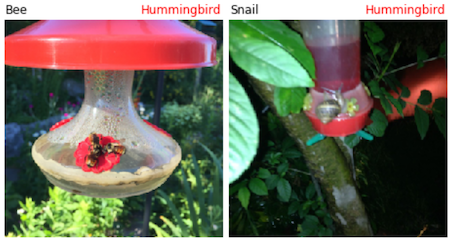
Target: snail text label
254, 9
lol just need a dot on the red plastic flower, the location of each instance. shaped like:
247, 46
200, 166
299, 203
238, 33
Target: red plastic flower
158, 129
60, 123
105, 162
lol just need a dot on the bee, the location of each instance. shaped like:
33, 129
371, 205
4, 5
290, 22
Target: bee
95, 150
115, 148
331, 108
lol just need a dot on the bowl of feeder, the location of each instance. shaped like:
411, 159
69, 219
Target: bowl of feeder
107, 150
343, 124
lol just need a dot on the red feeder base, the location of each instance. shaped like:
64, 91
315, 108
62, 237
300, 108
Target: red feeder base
343, 125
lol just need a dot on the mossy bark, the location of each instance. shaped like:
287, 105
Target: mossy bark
329, 165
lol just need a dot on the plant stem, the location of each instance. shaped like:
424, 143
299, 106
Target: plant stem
410, 65
296, 170
396, 47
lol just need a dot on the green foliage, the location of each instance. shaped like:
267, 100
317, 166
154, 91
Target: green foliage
289, 100
243, 130
67, 215
27, 93
11, 199
278, 194
262, 56
439, 112
177, 118
197, 211
422, 121
278, 33
275, 54
442, 51
381, 64
421, 56
378, 126
425, 98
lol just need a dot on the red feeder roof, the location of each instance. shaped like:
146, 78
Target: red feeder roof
110, 45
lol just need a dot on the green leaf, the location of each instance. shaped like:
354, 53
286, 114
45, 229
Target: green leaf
328, 220
159, 231
258, 187
352, 140
264, 173
200, 194
390, 82
374, 32
442, 52
289, 100
282, 169
425, 98
301, 211
284, 189
243, 130
175, 230
281, 35
440, 106
421, 56
374, 88
396, 104
379, 124
422, 121
233, 189
190, 198
293, 207
268, 62
325, 232
310, 191
402, 103
271, 182
320, 213
405, 92
441, 123
384, 102
292, 153
244, 195
310, 223
217, 161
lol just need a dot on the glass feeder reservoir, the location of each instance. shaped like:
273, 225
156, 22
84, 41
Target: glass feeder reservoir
107, 150
340, 103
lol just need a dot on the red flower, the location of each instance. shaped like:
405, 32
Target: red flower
158, 129
105, 161
60, 123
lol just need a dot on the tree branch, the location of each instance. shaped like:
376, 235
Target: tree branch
328, 164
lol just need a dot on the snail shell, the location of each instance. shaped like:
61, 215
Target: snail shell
328, 110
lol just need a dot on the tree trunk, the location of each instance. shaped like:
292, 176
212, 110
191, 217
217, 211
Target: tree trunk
329, 165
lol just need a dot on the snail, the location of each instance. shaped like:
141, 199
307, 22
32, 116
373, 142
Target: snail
329, 109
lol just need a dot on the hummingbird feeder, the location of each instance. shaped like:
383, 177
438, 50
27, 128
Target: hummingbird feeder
339, 103
107, 150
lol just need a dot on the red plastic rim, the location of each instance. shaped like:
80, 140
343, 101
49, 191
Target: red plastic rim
110, 45
342, 126
158, 129
60, 124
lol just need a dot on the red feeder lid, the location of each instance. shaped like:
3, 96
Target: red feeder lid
110, 45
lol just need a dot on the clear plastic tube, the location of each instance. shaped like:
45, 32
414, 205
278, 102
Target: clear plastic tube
335, 46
